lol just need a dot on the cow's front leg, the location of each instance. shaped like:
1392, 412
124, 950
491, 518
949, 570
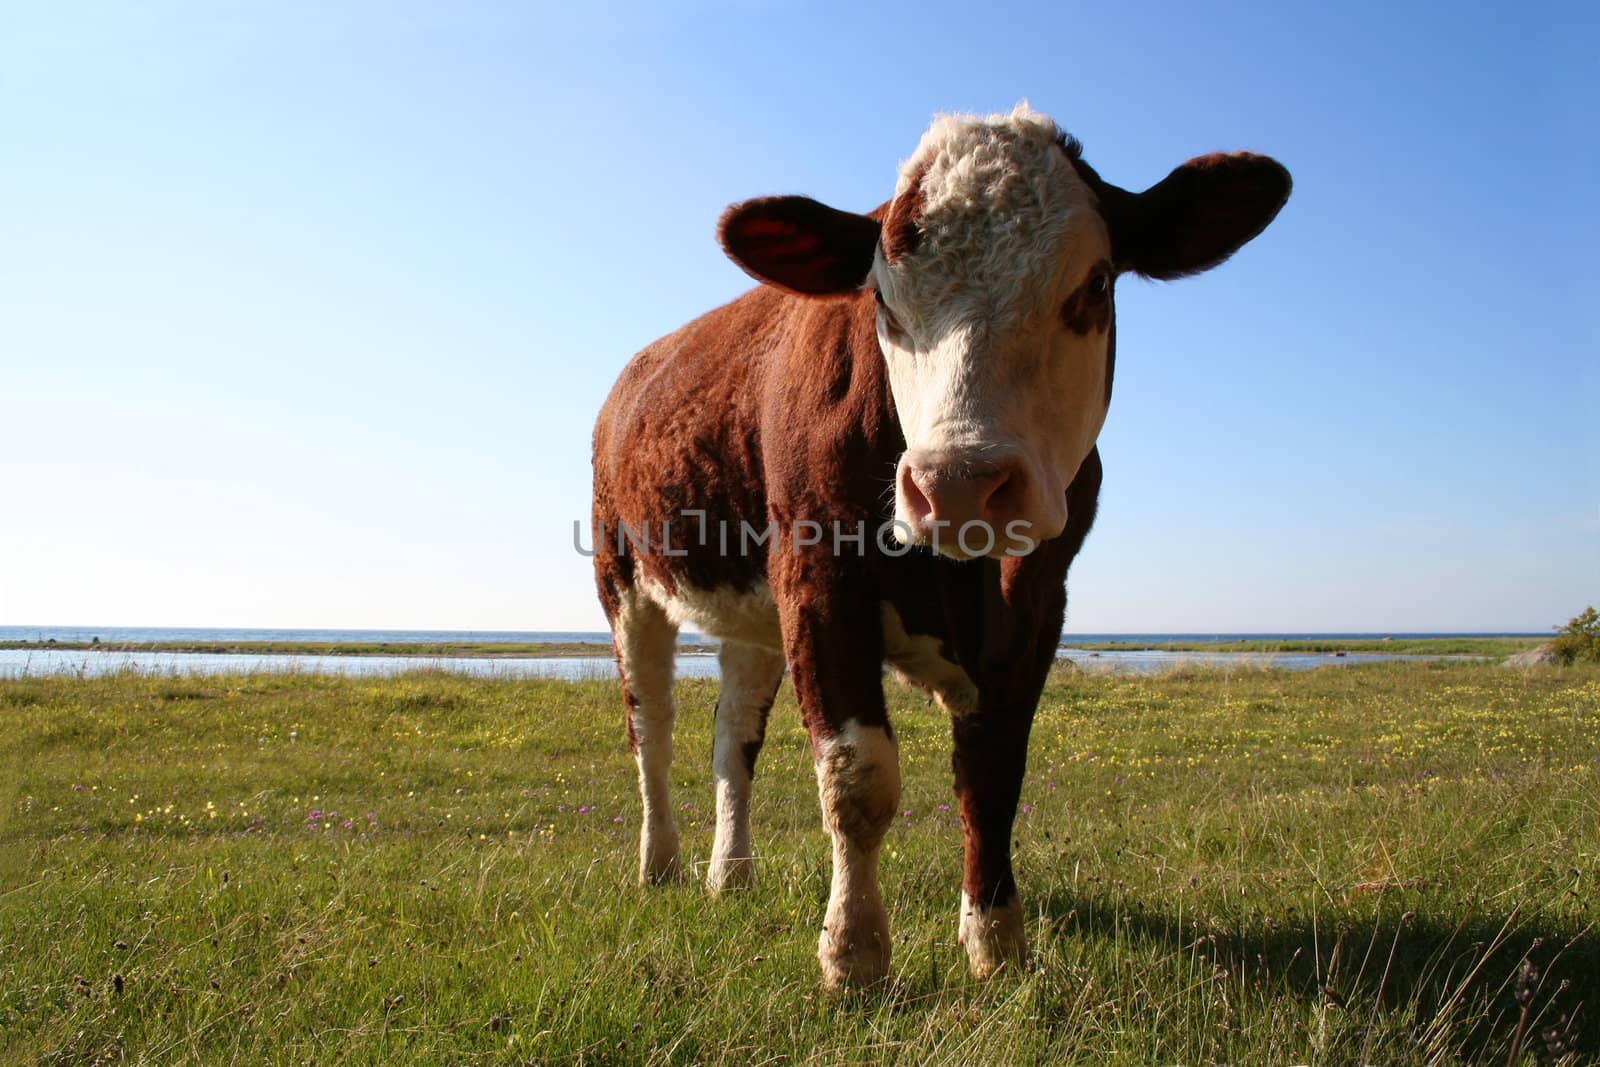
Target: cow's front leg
990, 756
834, 643
858, 779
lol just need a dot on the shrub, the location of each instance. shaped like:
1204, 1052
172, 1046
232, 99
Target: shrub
1579, 639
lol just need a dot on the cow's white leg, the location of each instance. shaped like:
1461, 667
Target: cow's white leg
858, 779
750, 679
993, 934
646, 640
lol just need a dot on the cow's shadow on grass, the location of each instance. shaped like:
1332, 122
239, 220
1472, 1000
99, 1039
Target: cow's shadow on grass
1462, 981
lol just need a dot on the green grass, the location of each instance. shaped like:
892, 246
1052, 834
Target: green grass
1494, 647
1342, 866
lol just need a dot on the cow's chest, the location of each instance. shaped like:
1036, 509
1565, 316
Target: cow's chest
750, 616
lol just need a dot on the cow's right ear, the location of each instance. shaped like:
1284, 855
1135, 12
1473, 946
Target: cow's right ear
797, 244
1195, 217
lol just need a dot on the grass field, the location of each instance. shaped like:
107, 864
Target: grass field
1491, 647
1385, 864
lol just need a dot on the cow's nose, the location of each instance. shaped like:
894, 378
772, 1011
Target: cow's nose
956, 496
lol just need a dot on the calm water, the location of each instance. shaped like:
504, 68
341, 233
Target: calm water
22, 663
124, 634
15, 663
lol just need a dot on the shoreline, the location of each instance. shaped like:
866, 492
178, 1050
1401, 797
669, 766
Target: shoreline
1471, 646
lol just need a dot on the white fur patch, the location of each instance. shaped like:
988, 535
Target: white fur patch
750, 616
646, 644
750, 676
918, 662
992, 936
1001, 206
858, 781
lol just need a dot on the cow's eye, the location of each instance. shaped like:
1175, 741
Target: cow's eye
1099, 285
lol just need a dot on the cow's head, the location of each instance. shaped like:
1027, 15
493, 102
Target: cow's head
994, 269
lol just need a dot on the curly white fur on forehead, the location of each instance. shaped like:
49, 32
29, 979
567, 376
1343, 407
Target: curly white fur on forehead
967, 155
995, 200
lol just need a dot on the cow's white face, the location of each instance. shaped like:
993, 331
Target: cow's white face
994, 285
993, 267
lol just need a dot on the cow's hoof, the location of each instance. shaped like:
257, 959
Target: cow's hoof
855, 955
993, 936
730, 875
660, 872
658, 858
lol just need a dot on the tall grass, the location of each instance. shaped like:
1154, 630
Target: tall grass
1386, 864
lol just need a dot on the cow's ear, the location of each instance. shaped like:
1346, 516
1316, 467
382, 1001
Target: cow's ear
1195, 217
797, 244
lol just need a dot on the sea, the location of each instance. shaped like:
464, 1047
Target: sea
690, 663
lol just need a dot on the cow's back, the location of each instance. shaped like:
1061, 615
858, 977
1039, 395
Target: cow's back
692, 395
679, 437
773, 409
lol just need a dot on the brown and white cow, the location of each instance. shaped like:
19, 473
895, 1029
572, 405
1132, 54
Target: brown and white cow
885, 454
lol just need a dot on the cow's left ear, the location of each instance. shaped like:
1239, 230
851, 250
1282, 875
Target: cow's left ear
797, 244
1195, 217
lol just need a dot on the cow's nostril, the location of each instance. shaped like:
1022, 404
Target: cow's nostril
991, 489
1007, 499
916, 499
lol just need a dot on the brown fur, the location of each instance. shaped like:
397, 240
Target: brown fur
901, 226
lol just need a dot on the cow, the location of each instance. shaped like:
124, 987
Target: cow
884, 456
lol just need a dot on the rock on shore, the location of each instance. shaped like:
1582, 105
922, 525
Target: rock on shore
1543, 656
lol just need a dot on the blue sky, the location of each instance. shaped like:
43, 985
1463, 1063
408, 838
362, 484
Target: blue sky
306, 310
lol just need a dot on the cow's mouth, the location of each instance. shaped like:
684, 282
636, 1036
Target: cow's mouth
974, 539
